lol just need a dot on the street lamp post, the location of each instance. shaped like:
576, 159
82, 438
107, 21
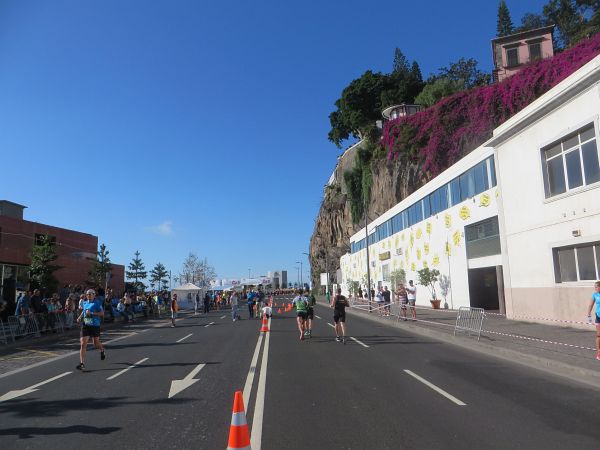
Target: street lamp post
301, 282
308, 258
368, 262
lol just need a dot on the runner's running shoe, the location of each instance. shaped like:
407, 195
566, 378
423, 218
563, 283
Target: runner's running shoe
337, 339
102, 355
80, 366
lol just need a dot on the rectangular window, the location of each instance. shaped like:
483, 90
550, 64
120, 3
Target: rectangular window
535, 51
467, 185
571, 163
455, 192
577, 263
483, 238
512, 57
38, 239
492, 171
385, 272
480, 176
426, 206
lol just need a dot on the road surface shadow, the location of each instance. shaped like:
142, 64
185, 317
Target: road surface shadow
56, 408
30, 432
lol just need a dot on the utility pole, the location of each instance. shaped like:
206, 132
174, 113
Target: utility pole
368, 262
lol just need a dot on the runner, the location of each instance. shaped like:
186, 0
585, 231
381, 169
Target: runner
90, 316
339, 304
174, 309
234, 306
301, 304
310, 313
596, 300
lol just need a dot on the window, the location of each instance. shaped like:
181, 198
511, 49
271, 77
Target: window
38, 239
577, 263
455, 192
483, 238
535, 51
571, 163
492, 169
426, 206
512, 57
385, 272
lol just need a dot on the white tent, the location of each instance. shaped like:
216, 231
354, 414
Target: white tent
186, 295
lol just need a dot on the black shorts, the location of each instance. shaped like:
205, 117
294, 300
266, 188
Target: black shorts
310, 314
339, 316
302, 314
89, 331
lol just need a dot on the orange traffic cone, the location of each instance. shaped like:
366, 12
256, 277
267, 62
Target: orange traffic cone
265, 324
239, 436
279, 311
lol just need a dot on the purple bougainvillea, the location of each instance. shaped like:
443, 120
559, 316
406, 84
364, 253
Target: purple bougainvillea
439, 136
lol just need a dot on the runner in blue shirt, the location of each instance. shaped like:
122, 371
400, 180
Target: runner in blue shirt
596, 301
90, 319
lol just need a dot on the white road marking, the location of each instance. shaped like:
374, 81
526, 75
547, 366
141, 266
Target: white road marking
358, 342
250, 378
112, 377
14, 394
318, 317
259, 405
184, 338
179, 385
222, 317
208, 325
435, 388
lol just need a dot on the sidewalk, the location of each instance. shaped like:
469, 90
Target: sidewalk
560, 350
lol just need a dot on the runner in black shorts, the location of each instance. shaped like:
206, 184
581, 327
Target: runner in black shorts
310, 313
339, 304
91, 317
301, 304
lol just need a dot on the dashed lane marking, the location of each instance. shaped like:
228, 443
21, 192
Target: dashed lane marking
112, 377
184, 338
318, 317
208, 325
358, 342
222, 317
439, 390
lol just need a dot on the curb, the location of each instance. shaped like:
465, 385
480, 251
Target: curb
574, 373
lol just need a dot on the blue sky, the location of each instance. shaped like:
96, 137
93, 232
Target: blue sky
178, 126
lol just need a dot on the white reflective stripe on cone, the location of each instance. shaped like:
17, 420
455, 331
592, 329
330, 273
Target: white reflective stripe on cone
239, 448
238, 419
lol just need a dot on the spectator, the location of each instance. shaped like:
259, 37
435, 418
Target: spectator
69, 310
22, 308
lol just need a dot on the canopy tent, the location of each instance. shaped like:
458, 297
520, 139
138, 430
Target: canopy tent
221, 288
186, 294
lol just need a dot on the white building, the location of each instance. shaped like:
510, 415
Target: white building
515, 224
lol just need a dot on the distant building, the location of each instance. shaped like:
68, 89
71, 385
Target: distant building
76, 253
512, 52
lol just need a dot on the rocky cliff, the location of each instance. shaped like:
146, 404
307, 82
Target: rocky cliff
392, 181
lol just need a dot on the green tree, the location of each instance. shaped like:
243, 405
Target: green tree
358, 108
158, 275
441, 87
504, 25
137, 271
569, 21
101, 267
41, 270
396, 277
465, 70
531, 21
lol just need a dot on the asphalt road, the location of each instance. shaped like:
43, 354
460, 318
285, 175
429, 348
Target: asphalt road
385, 389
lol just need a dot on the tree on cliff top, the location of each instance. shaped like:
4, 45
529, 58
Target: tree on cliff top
504, 25
362, 101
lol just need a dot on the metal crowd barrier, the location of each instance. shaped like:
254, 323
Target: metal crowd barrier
22, 326
469, 320
6, 335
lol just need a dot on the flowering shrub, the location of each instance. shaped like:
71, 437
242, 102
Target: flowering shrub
439, 136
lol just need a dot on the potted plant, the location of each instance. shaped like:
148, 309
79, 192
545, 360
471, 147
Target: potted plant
428, 277
445, 288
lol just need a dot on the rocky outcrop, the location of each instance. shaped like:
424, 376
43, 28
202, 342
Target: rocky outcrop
392, 181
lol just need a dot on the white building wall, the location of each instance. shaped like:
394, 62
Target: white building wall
425, 242
534, 225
